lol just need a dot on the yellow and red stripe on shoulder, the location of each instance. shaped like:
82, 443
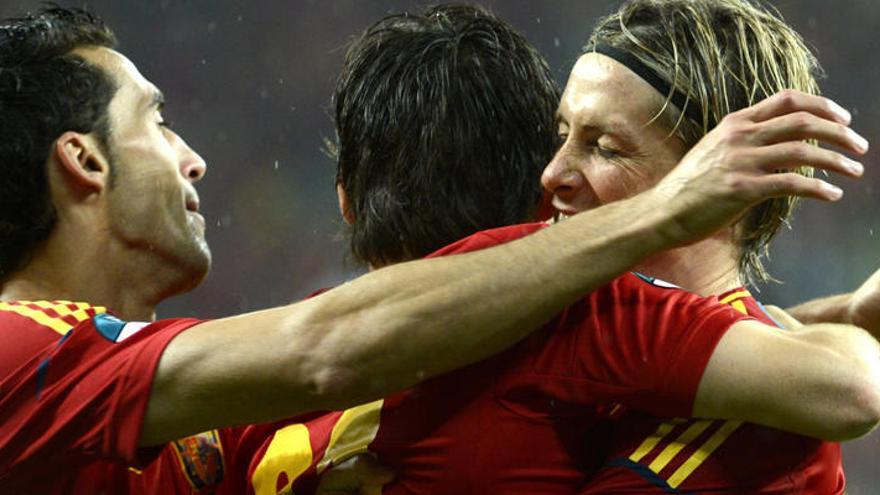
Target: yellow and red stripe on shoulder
59, 316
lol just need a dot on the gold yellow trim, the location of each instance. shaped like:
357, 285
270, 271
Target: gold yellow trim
648, 445
352, 433
735, 296
703, 452
672, 450
57, 324
289, 452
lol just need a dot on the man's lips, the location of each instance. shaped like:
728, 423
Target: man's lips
192, 204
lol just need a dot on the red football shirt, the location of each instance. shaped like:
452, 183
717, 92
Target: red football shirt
74, 385
514, 423
653, 455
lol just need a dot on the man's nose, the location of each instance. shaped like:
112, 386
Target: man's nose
561, 178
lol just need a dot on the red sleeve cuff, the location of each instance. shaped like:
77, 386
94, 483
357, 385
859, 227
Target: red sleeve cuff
691, 357
131, 406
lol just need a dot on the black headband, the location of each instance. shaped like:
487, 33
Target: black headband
690, 108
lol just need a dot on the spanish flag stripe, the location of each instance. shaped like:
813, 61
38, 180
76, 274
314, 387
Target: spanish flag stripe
60, 316
703, 452
679, 443
739, 306
735, 296
38, 316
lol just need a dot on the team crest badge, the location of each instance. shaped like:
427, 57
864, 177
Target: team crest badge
201, 459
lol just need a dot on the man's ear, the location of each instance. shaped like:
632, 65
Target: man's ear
82, 160
344, 205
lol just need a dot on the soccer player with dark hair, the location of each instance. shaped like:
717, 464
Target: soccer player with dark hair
99, 223
414, 155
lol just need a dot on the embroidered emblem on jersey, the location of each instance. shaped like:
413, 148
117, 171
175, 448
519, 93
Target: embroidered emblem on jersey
201, 459
60, 316
114, 329
679, 446
656, 281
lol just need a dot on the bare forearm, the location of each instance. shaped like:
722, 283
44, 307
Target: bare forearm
832, 309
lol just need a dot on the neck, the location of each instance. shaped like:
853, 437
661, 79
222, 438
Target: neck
90, 268
706, 268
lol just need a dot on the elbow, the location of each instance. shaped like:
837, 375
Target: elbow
323, 385
868, 400
859, 413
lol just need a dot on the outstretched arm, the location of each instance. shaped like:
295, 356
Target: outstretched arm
402, 324
861, 308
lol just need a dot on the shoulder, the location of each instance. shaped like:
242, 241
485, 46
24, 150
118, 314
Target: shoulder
488, 238
58, 317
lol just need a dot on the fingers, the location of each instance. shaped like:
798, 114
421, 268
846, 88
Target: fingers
803, 125
791, 184
361, 474
794, 154
789, 101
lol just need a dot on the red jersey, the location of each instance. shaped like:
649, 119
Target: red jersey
514, 423
74, 386
653, 455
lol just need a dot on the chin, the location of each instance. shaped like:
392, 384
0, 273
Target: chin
194, 265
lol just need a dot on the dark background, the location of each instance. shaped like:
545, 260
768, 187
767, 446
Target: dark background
249, 83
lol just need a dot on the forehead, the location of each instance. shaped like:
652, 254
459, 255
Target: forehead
133, 87
602, 92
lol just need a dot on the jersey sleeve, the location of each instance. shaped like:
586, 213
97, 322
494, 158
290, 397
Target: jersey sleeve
645, 346
84, 395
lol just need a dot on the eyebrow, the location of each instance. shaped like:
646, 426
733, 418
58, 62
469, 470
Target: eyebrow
616, 129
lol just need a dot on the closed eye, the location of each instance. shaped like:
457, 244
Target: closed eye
606, 153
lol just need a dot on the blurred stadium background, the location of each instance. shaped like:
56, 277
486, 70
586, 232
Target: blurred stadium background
249, 84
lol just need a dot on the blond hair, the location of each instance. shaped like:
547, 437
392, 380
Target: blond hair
721, 56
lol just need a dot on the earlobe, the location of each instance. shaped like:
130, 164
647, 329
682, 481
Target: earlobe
81, 160
344, 205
